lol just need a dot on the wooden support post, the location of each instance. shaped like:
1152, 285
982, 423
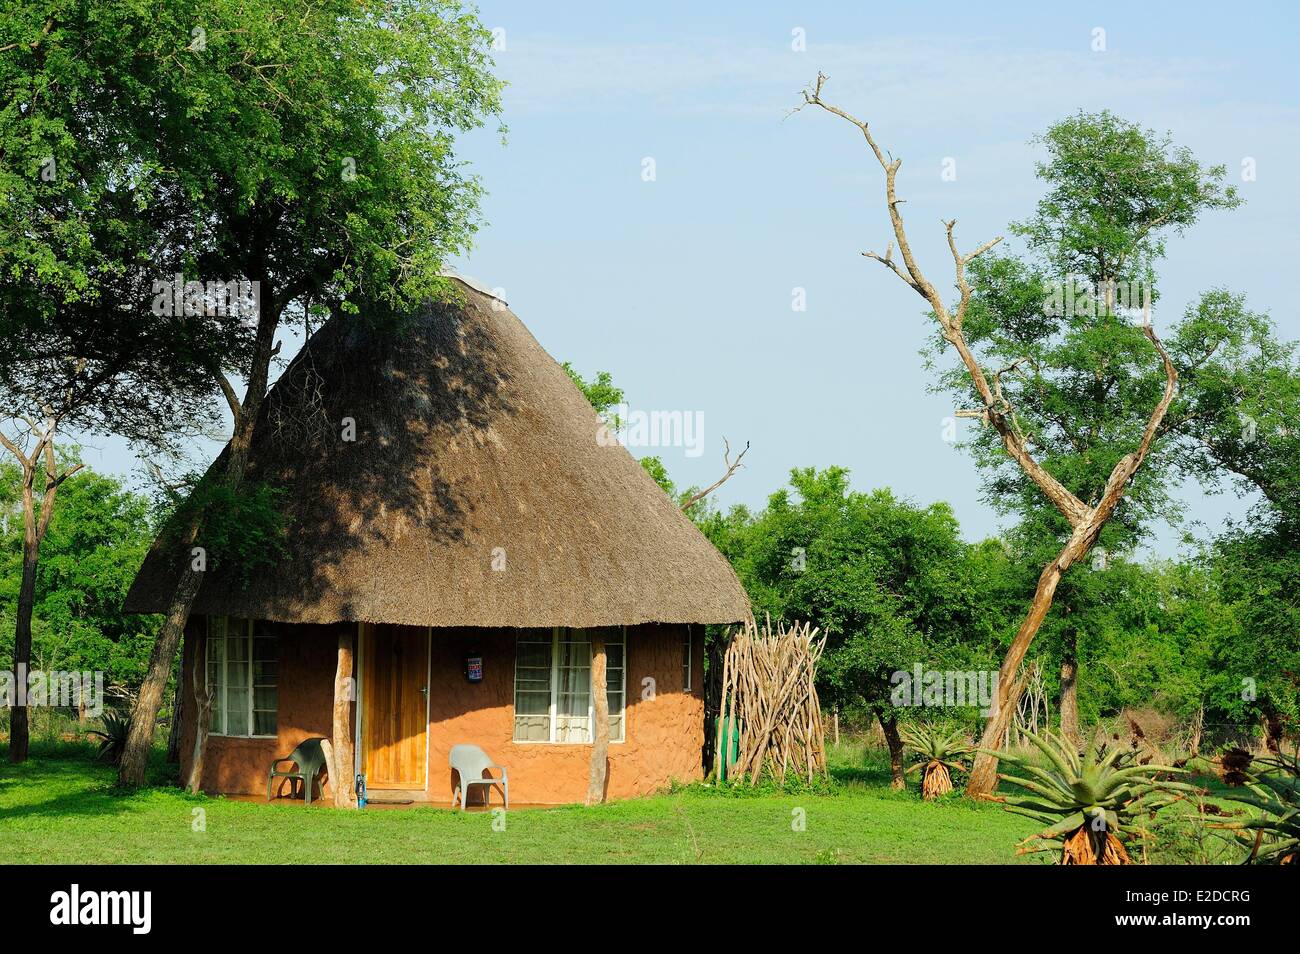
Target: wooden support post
341, 765
600, 709
202, 709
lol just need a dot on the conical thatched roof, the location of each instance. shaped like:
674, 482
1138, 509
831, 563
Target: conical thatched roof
472, 447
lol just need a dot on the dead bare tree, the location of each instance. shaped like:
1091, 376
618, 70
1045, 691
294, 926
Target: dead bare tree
1085, 520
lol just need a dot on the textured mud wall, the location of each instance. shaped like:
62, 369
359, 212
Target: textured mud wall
664, 735
308, 657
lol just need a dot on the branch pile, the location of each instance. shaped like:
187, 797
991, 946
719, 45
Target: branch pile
769, 692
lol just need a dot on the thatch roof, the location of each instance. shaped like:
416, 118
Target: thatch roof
469, 438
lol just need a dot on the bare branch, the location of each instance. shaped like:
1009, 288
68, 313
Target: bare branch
889, 263
732, 467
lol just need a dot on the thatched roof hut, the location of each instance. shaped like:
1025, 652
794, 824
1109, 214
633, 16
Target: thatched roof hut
452, 512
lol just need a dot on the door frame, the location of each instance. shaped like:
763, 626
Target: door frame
359, 658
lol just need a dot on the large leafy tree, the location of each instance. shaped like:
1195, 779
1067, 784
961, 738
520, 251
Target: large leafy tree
308, 148
78, 229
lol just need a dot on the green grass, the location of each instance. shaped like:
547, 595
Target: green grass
61, 807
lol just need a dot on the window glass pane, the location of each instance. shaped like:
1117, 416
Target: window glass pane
236, 709
534, 655
265, 666
533, 687
237, 646
532, 703
244, 673
533, 728
533, 680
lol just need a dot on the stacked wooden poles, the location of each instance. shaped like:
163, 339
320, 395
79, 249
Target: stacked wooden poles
769, 696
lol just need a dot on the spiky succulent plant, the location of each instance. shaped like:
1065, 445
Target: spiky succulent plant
1272, 788
1089, 801
113, 737
940, 751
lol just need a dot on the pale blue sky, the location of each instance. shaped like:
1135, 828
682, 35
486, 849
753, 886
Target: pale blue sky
681, 287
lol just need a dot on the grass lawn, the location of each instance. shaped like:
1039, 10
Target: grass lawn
60, 807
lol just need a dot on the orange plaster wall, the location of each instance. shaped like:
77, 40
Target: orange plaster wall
664, 736
308, 659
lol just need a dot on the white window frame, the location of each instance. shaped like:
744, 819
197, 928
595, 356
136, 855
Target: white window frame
225, 681
557, 633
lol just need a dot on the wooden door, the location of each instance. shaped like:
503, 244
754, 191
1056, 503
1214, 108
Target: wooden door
395, 725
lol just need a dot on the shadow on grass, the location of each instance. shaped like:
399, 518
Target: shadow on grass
61, 767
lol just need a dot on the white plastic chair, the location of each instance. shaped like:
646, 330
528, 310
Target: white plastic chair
470, 762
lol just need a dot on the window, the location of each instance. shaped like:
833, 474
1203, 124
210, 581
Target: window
243, 676
553, 685
686, 659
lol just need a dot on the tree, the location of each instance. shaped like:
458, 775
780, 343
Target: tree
76, 229
97, 539
315, 164
1114, 191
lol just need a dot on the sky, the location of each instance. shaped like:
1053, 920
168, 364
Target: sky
683, 284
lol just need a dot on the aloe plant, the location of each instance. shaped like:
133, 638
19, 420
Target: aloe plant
1272, 788
941, 753
1089, 801
113, 737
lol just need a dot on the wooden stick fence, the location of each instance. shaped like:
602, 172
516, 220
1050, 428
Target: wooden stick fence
769, 696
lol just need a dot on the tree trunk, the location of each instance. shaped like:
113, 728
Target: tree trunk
174, 734
345, 795
139, 740
1069, 688
600, 707
983, 779
202, 712
34, 528
19, 731
897, 773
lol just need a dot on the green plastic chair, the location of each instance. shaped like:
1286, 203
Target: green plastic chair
309, 758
